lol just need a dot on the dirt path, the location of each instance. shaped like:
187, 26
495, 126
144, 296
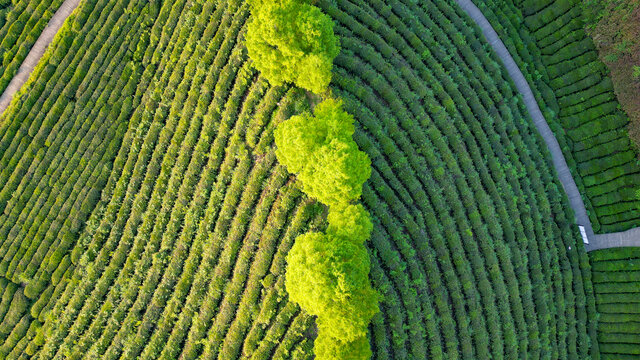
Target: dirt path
36, 52
601, 241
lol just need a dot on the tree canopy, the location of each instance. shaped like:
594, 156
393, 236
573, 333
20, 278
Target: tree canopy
320, 149
327, 274
328, 277
350, 222
292, 41
329, 348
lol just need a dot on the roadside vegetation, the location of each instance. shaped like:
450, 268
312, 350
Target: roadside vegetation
21, 22
614, 26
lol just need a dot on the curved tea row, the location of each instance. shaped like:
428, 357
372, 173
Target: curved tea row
575, 92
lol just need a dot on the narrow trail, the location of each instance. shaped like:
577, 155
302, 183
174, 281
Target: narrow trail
601, 241
37, 50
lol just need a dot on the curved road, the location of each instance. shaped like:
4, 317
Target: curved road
601, 241
37, 51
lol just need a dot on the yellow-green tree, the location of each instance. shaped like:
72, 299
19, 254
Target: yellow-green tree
329, 348
292, 41
328, 276
320, 149
350, 222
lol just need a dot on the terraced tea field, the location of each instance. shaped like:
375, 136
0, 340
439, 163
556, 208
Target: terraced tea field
144, 213
573, 88
21, 22
617, 289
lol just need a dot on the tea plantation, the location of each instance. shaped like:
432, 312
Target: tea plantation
548, 39
616, 277
21, 22
144, 212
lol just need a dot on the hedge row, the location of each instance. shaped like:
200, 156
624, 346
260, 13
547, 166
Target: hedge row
21, 22
616, 274
173, 247
55, 170
16, 325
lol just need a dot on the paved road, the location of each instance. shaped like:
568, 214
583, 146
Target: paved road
602, 241
36, 52
620, 239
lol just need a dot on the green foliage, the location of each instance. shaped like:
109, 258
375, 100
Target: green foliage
328, 274
336, 173
184, 255
329, 348
20, 25
328, 277
615, 274
299, 137
320, 150
291, 41
351, 222
547, 38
